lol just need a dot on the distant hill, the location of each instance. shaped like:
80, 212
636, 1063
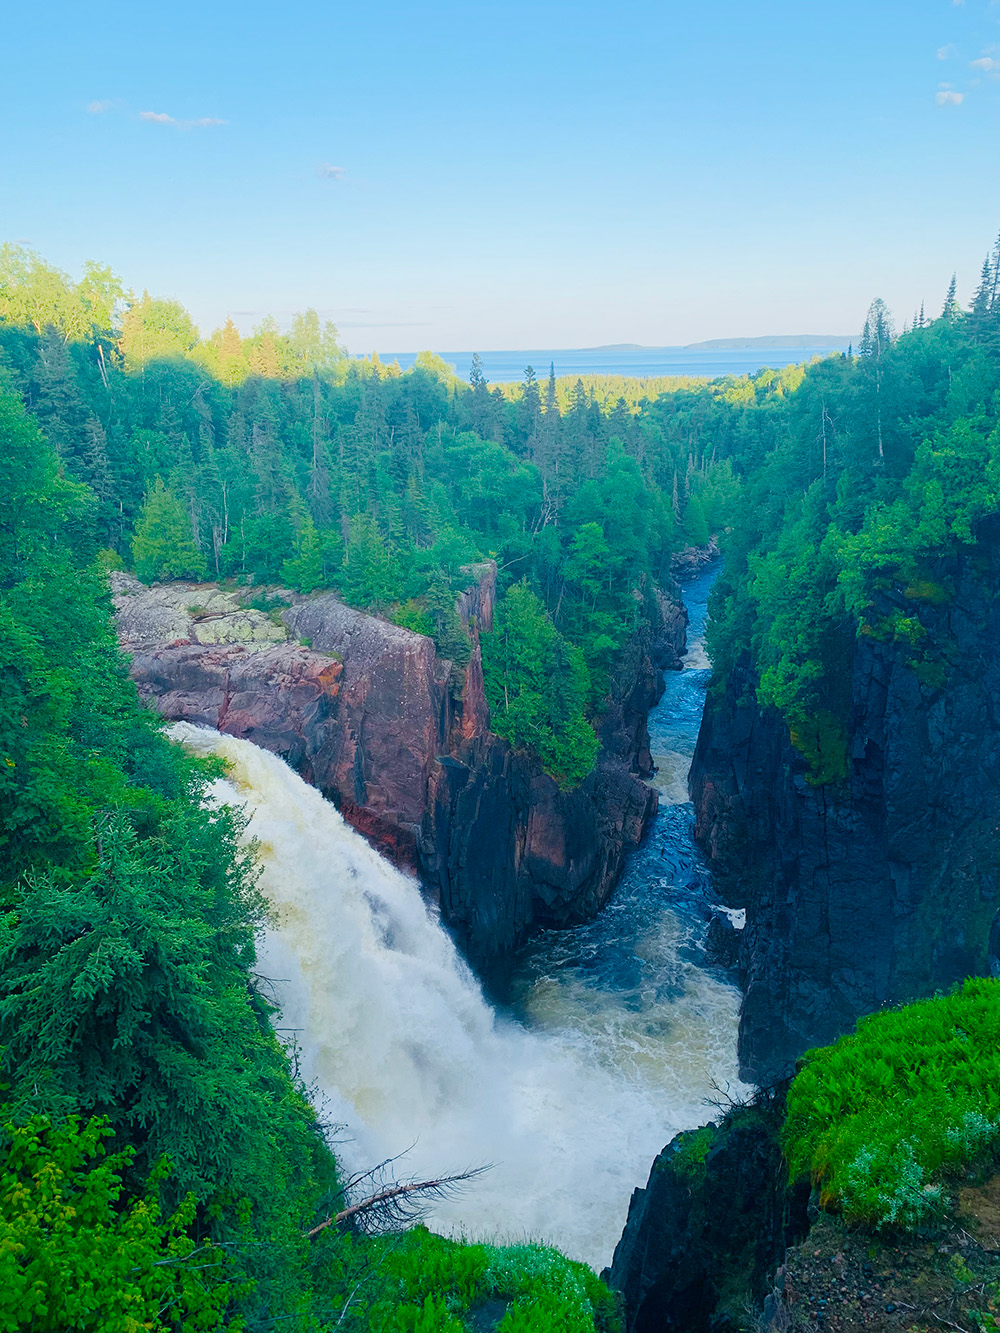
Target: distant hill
776, 340
783, 340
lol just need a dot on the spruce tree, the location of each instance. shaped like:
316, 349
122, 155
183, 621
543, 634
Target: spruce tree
952, 309
163, 546
59, 407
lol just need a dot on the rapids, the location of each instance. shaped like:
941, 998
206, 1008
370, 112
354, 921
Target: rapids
613, 1041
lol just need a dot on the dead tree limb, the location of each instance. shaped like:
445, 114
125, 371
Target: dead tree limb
389, 1204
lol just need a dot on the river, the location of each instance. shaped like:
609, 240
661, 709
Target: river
616, 1036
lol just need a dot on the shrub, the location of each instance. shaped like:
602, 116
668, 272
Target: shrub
425, 1283
72, 1256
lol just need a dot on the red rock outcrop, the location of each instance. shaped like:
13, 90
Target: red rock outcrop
368, 713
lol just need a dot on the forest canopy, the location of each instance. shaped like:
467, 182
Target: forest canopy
276, 459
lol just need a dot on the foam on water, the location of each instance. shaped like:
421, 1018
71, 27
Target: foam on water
620, 1035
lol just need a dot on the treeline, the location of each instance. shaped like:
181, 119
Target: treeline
276, 459
858, 482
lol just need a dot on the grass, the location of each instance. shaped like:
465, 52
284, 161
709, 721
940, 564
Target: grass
429, 1284
880, 1119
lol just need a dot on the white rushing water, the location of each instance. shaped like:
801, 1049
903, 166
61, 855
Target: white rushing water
399, 1044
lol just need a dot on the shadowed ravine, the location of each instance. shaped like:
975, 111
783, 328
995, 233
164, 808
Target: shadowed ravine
612, 1041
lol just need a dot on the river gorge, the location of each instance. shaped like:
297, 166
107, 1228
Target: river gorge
613, 1035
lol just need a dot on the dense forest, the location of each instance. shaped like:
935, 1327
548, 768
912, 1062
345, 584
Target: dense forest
877, 468
276, 459
163, 1167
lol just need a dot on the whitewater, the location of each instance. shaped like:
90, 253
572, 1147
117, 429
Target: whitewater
397, 1045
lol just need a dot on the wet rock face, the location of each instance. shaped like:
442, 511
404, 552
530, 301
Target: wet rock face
368, 713
881, 889
670, 636
705, 1236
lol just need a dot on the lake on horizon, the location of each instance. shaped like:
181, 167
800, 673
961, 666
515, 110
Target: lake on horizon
643, 362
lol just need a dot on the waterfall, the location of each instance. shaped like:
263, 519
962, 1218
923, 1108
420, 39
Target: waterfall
397, 1044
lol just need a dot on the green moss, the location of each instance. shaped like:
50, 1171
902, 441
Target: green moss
880, 1118
924, 590
930, 673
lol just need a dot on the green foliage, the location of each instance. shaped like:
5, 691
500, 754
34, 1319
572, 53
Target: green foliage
306, 571
425, 1282
861, 481
126, 941
274, 458
414, 615
163, 547
371, 574
536, 686
693, 1149
72, 1256
879, 1118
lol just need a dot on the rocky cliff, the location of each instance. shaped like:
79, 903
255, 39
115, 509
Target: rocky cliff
704, 1238
720, 1242
400, 741
883, 887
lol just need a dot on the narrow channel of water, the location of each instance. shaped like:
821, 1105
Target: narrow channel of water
632, 987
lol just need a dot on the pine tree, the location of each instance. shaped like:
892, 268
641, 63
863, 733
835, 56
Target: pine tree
60, 409
952, 309
529, 412
163, 547
232, 358
101, 480
876, 339
305, 572
482, 403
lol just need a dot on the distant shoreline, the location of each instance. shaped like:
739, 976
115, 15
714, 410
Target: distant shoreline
700, 360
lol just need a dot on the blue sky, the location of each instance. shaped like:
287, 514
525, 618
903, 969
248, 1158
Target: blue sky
510, 175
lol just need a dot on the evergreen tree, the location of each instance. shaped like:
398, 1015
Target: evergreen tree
371, 573
482, 404
876, 339
952, 310
155, 330
529, 411
536, 686
306, 571
60, 407
163, 546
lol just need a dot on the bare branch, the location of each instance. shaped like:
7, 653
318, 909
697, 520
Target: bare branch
394, 1205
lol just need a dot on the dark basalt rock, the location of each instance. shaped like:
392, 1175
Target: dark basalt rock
704, 1238
882, 888
401, 742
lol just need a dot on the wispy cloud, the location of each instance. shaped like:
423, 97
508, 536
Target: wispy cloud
98, 108
162, 118
348, 324
948, 97
329, 173
986, 65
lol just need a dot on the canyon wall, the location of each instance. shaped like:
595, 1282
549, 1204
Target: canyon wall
400, 740
884, 887
704, 1238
